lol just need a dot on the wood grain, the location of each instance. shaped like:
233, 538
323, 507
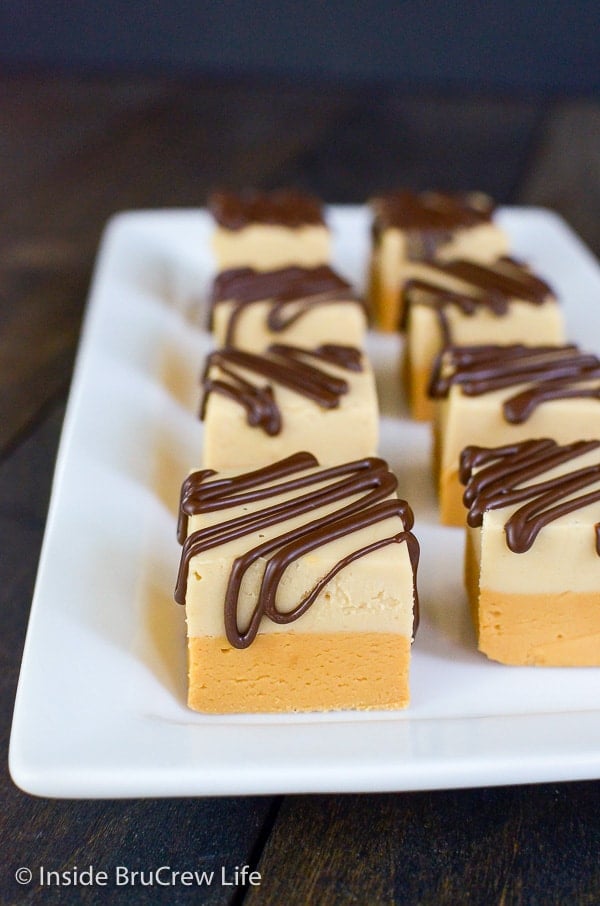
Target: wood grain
46, 120
159, 148
492, 846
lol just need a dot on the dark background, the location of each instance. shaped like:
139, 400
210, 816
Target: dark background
550, 46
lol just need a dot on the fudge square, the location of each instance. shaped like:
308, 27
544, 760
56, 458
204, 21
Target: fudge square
305, 305
492, 395
460, 303
410, 228
299, 584
268, 230
258, 408
533, 551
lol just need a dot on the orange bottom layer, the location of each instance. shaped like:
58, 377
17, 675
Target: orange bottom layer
450, 491
450, 495
385, 302
560, 630
422, 408
294, 672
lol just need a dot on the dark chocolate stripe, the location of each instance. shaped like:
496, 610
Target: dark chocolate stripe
505, 277
292, 292
281, 364
519, 407
502, 477
369, 478
348, 357
552, 372
430, 219
482, 369
432, 211
286, 284
285, 207
318, 535
200, 496
492, 287
503, 366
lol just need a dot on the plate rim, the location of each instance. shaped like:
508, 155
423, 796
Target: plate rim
514, 767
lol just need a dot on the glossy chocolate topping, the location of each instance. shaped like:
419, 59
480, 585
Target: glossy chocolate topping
285, 207
501, 477
552, 372
360, 487
290, 366
430, 210
488, 286
292, 292
429, 218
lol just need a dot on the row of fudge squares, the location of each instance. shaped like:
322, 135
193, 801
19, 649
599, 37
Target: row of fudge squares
482, 394
298, 570
462, 304
269, 230
495, 395
300, 582
533, 543
289, 371
451, 306
251, 306
439, 269
329, 548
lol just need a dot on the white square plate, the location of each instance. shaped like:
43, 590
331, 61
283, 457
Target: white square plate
100, 709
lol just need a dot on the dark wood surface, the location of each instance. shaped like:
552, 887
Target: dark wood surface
73, 152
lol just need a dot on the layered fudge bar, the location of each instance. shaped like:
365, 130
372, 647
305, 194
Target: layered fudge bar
306, 305
268, 230
299, 584
460, 303
260, 407
492, 395
410, 228
533, 547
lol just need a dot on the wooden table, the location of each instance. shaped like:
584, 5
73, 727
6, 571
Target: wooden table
72, 152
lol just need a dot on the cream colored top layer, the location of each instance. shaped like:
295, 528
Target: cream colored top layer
338, 322
563, 556
479, 420
372, 594
522, 322
347, 432
267, 247
483, 243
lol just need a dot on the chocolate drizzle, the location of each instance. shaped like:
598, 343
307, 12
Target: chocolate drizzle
292, 292
504, 476
197, 496
285, 207
429, 218
289, 366
365, 484
552, 372
492, 287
